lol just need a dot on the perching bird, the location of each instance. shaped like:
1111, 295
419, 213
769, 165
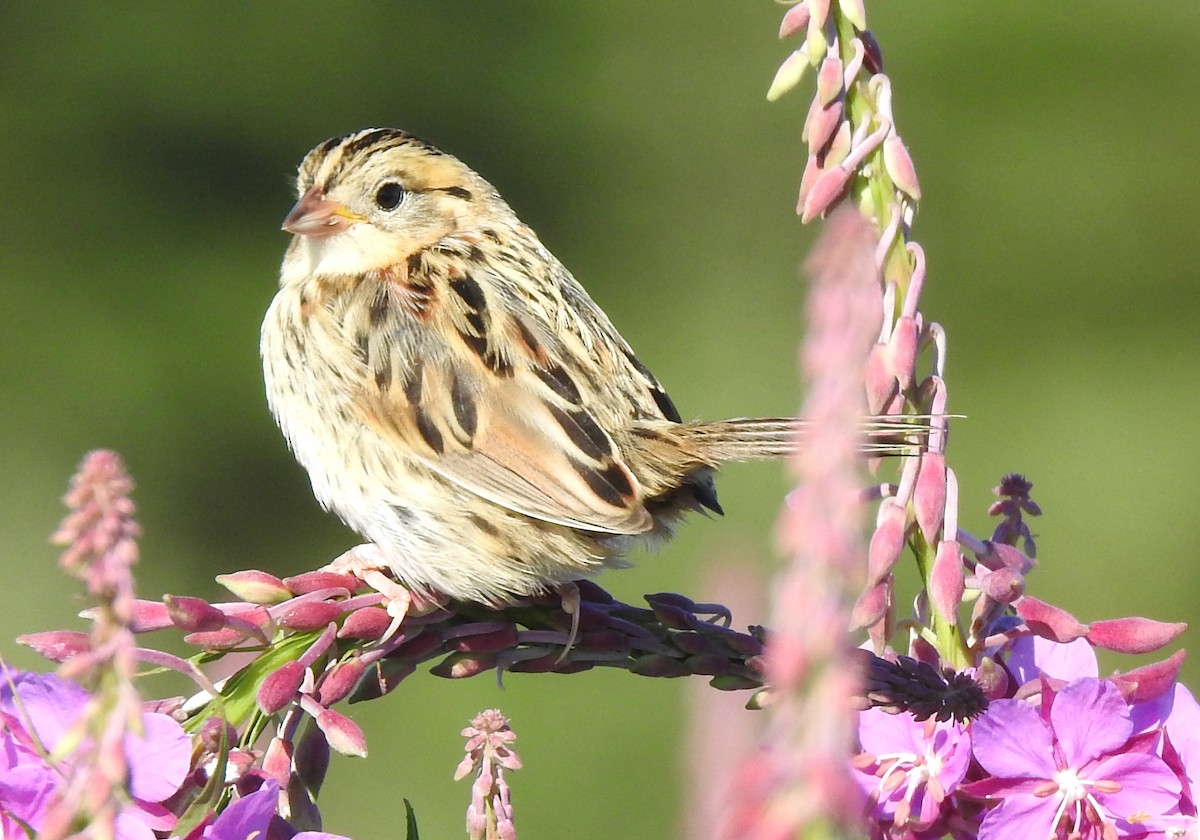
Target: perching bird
459, 399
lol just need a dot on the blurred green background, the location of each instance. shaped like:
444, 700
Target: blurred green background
146, 156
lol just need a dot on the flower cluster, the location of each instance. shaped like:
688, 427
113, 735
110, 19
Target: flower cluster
991, 721
1067, 755
257, 745
489, 754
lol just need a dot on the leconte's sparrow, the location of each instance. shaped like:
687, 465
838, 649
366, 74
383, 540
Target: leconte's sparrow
458, 398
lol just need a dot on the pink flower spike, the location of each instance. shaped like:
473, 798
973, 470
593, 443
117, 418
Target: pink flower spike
899, 165
193, 615
929, 495
1050, 622
946, 581
1133, 635
794, 19
255, 587
57, 645
280, 687
788, 75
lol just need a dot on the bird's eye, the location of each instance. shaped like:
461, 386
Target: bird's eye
388, 195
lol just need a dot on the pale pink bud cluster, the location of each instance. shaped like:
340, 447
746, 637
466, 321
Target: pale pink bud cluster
100, 538
489, 755
800, 778
855, 153
848, 76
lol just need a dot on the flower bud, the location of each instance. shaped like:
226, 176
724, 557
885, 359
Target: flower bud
315, 581
193, 614
280, 687
1133, 635
343, 734
367, 623
255, 587
57, 645
339, 681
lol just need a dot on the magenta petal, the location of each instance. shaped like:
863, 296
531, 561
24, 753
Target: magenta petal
884, 734
247, 817
1090, 718
1020, 816
1012, 741
155, 816
51, 703
25, 792
1031, 657
130, 827
159, 760
1147, 784
1183, 728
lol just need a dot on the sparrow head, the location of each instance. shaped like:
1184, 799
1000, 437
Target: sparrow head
371, 198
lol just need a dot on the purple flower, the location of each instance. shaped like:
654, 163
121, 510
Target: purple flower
39, 714
1069, 769
251, 815
909, 767
1031, 657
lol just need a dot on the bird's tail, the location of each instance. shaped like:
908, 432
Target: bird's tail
761, 438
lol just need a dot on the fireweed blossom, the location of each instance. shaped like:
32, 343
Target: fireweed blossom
1071, 769
40, 740
253, 816
909, 767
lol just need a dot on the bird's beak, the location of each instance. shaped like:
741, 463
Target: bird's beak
317, 216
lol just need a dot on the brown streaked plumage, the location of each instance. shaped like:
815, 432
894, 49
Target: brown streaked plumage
457, 397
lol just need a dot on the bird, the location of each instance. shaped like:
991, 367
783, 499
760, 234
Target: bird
458, 398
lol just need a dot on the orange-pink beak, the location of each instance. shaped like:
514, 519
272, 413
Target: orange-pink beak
317, 216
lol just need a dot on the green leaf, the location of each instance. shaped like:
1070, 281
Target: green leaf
410, 821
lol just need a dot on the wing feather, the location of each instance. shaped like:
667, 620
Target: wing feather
486, 405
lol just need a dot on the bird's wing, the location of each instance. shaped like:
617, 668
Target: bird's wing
468, 386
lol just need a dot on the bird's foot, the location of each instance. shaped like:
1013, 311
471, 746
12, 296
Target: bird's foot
569, 593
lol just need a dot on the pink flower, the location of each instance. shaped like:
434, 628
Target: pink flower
250, 817
909, 767
40, 715
1072, 768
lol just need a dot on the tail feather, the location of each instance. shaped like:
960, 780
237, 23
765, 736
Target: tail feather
753, 439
